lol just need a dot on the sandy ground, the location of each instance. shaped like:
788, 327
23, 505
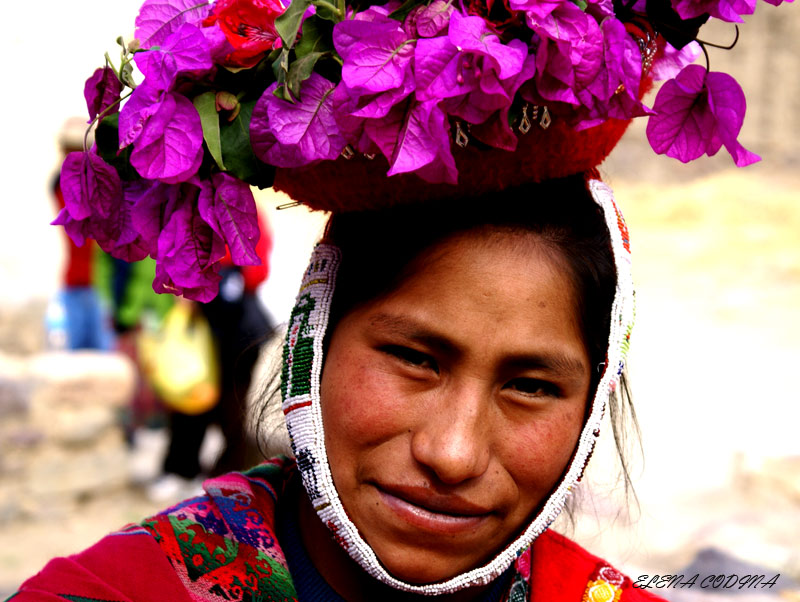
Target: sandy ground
715, 351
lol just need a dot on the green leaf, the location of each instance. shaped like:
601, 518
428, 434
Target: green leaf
329, 11
288, 24
312, 39
206, 106
280, 67
240, 160
401, 12
301, 70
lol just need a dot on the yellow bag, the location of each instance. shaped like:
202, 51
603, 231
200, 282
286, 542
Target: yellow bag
179, 360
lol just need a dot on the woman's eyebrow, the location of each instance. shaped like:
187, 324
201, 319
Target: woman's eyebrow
413, 329
556, 362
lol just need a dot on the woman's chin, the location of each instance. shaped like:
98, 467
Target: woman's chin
421, 567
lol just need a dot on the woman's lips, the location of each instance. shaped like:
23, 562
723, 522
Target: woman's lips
444, 514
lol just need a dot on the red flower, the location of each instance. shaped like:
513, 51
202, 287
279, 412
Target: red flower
249, 26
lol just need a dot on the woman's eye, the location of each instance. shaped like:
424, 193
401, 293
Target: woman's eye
533, 387
412, 356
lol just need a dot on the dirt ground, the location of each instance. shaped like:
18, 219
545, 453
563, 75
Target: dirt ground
713, 367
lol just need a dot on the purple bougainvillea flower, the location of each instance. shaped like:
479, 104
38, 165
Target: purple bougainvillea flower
777, 2
288, 134
600, 9
189, 251
727, 10
614, 91
149, 211
415, 137
102, 91
471, 67
184, 50
227, 205
536, 11
350, 122
76, 229
669, 61
570, 54
114, 233
430, 20
157, 19
91, 187
696, 114
376, 56
170, 146
143, 103
123, 238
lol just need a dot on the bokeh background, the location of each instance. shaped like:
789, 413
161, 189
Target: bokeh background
714, 364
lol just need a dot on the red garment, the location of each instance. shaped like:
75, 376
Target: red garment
78, 268
222, 547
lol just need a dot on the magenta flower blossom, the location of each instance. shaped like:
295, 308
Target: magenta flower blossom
184, 50
429, 20
415, 138
727, 10
614, 91
157, 19
696, 114
570, 54
377, 55
114, 232
102, 91
227, 205
536, 11
471, 69
169, 146
89, 184
189, 250
293, 134
671, 61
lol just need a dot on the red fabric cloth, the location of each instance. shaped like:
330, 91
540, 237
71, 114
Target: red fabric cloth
78, 267
222, 547
562, 570
121, 567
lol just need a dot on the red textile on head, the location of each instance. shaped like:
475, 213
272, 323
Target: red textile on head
360, 183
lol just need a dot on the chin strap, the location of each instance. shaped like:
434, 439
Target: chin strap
300, 388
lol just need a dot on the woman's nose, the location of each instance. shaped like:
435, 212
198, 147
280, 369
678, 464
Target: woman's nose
452, 438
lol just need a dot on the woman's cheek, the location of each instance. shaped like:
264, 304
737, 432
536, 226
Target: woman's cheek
364, 404
540, 450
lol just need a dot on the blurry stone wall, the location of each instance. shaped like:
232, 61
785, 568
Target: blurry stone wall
61, 438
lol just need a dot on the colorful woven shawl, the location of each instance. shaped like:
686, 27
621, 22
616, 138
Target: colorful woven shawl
222, 547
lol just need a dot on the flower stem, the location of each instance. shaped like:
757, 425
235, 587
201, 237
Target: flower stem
99, 117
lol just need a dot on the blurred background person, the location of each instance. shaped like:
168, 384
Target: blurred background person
135, 308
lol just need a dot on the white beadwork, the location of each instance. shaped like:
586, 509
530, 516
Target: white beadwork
308, 436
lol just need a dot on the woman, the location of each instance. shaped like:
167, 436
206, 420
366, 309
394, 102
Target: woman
447, 365
462, 380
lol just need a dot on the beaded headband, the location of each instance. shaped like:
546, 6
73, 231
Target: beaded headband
302, 371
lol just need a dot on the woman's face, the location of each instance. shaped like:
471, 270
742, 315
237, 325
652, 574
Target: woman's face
453, 404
